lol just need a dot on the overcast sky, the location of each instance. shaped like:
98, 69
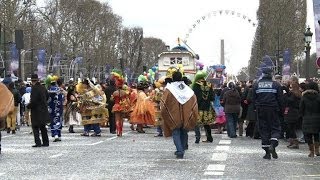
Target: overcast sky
170, 19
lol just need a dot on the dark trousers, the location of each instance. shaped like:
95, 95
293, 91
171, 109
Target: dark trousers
250, 128
44, 134
112, 122
207, 129
0, 141
291, 130
269, 126
311, 138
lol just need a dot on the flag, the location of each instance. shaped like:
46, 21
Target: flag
14, 58
42, 64
286, 65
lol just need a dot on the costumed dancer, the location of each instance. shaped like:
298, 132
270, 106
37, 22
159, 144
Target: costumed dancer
121, 101
93, 108
205, 95
158, 92
55, 103
179, 110
219, 110
72, 117
144, 110
6, 106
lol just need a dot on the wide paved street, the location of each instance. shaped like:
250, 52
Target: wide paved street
143, 156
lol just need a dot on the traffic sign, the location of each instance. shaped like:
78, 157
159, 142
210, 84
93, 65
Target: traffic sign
318, 62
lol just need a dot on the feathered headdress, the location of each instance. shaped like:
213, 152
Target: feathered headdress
50, 79
200, 75
117, 76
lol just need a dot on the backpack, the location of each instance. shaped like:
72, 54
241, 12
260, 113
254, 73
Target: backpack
6, 102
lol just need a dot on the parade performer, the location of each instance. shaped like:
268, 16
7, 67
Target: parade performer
143, 112
72, 116
219, 110
121, 101
6, 106
158, 92
205, 96
55, 104
92, 107
179, 110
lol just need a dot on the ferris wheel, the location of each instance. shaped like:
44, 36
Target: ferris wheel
217, 13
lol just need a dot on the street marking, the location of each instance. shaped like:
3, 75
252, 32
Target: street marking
219, 156
216, 167
55, 156
225, 142
95, 143
213, 173
1, 174
222, 148
7, 136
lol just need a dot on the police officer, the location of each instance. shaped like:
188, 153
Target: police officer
267, 96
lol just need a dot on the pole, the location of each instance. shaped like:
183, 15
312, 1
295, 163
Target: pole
31, 54
308, 47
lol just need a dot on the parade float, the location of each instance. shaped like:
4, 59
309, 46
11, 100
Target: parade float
216, 75
92, 103
175, 58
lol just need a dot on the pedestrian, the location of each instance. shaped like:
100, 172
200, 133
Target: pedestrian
39, 112
205, 96
25, 101
111, 88
291, 114
179, 110
251, 130
231, 102
6, 106
310, 111
267, 96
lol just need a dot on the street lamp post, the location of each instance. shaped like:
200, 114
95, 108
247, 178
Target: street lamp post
280, 63
307, 38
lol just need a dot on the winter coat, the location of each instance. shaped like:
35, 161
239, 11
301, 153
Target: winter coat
291, 114
251, 114
38, 105
231, 101
310, 111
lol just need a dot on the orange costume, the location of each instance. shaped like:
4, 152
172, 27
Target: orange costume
144, 110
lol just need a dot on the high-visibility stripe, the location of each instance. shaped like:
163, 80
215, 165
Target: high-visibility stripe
275, 139
266, 91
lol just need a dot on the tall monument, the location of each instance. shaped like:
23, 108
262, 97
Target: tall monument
222, 52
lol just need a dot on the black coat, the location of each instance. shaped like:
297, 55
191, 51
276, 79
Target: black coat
251, 114
39, 106
310, 111
292, 102
109, 91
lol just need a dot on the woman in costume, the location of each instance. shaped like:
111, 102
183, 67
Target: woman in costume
219, 110
144, 110
55, 104
121, 101
72, 117
205, 95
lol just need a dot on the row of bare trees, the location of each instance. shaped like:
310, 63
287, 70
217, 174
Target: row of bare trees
86, 28
281, 26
